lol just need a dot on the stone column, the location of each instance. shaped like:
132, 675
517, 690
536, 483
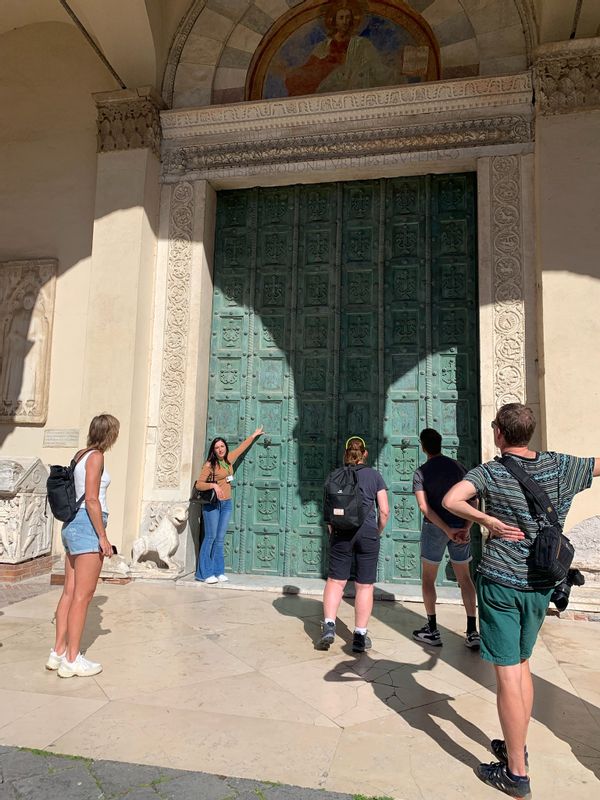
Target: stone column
567, 90
119, 317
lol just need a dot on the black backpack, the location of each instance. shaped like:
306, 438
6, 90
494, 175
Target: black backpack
61, 490
343, 500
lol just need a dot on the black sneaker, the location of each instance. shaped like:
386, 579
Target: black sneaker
360, 642
473, 640
328, 635
498, 747
496, 775
427, 636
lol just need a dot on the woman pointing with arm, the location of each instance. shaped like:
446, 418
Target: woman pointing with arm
217, 474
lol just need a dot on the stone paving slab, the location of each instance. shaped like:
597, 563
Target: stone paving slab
15, 592
38, 775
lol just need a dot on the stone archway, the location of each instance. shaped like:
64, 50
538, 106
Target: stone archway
214, 46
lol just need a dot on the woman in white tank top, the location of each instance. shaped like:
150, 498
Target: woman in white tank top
86, 545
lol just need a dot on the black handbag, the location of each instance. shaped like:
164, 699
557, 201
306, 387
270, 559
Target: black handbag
204, 496
552, 552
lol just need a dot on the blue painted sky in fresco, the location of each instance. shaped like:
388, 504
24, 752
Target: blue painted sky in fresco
385, 35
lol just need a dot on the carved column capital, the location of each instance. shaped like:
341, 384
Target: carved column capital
567, 76
129, 119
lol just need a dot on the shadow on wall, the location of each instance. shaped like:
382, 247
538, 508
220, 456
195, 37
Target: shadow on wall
397, 684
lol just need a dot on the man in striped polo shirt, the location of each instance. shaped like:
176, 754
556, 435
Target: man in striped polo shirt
513, 597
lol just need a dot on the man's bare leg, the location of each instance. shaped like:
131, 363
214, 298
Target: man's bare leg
514, 695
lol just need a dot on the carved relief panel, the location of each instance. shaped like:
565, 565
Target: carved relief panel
27, 291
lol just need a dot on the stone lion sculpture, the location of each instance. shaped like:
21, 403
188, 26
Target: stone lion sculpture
163, 540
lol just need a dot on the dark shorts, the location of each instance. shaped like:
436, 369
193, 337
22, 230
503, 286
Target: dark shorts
509, 621
364, 550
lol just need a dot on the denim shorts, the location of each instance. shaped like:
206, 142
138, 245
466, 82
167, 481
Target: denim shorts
78, 535
434, 542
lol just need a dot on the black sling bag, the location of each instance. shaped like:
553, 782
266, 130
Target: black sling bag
551, 553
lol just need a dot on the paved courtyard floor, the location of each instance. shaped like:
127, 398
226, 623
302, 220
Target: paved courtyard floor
228, 682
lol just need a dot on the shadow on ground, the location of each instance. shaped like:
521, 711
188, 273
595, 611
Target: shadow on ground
565, 714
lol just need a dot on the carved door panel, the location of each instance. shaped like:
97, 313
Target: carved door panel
405, 310
340, 309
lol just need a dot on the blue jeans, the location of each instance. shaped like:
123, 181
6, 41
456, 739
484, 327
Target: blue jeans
211, 559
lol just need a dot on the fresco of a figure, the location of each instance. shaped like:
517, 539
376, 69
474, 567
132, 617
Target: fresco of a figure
346, 48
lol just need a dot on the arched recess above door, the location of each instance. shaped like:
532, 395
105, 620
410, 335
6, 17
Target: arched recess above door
216, 45
322, 46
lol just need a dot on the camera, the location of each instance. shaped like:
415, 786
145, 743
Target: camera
560, 596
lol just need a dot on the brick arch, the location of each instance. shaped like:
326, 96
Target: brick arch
217, 39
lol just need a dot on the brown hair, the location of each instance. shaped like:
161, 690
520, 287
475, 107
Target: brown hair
355, 450
357, 7
516, 423
103, 432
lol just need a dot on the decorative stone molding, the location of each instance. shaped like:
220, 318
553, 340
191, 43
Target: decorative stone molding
27, 290
129, 119
508, 284
424, 117
175, 341
527, 13
370, 105
567, 76
449, 135
181, 34
25, 524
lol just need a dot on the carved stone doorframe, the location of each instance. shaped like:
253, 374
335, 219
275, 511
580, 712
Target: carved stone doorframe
481, 125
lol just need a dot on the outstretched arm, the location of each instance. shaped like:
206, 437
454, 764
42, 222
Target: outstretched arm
457, 501
241, 448
596, 472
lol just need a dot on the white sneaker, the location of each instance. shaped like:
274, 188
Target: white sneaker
212, 579
81, 668
54, 660
222, 578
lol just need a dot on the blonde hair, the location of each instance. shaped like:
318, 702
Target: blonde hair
355, 450
103, 432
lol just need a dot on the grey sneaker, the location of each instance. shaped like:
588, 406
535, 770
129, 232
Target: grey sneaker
427, 636
327, 636
498, 748
473, 640
360, 642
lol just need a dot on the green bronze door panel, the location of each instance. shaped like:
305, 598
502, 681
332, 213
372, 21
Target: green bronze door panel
406, 320
340, 309
454, 304
313, 437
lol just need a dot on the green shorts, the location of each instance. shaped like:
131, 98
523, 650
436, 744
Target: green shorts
509, 621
